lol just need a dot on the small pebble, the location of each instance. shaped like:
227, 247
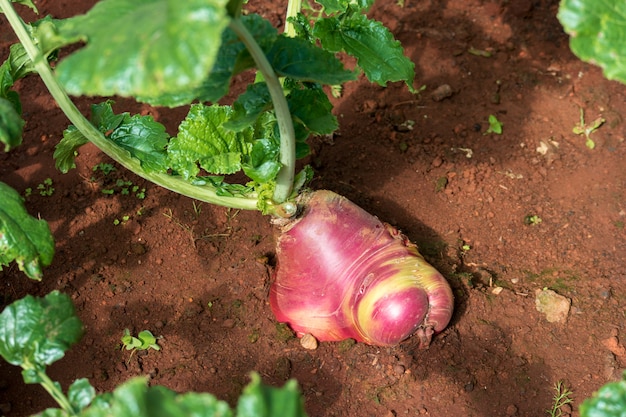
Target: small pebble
308, 341
511, 410
442, 92
228, 323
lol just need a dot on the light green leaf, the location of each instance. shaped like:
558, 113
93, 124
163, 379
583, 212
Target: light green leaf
262, 163
65, 151
35, 332
23, 239
260, 400
299, 59
170, 45
609, 401
379, 55
598, 33
81, 393
202, 140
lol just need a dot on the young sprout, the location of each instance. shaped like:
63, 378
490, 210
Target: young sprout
145, 340
495, 126
562, 396
582, 128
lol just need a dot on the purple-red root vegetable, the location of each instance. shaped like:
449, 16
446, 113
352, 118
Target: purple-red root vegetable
341, 273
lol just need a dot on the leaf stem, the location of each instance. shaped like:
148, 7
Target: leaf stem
51, 387
286, 175
293, 8
205, 193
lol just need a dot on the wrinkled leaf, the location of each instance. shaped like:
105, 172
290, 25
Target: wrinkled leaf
23, 239
249, 106
260, 400
609, 401
299, 59
170, 46
262, 163
379, 55
35, 332
65, 151
598, 32
203, 141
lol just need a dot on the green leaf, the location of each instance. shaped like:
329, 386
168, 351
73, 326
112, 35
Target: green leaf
262, 163
135, 398
143, 137
609, 401
170, 46
334, 6
202, 140
598, 33
298, 59
249, 106
81, 393
377, 52
311, 107
65, 151
260, 400
23, 239
35, 332
11, 125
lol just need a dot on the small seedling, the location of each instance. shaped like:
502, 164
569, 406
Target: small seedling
145, 340
45, 188
582, 128
495, 126
105, 168
124, 220
562, 396
532, 219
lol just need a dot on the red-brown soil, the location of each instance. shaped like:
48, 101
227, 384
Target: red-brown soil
198, 275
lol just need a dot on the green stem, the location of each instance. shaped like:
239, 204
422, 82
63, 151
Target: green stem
293, 8
53, 389
176, 184
285, 177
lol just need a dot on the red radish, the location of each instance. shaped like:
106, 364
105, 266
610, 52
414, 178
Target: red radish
342, 273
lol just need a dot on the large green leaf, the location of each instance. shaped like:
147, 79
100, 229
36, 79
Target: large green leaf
334, 6
379, 55
35, 332
142, 47
609, 401
23, 239
311, 107
598, 33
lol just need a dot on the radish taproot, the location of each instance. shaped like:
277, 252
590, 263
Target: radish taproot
341, 273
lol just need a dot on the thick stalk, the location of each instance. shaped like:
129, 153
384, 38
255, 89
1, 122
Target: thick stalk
52, 389
284, 180
293, 8
176, 184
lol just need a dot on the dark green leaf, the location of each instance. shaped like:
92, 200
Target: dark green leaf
202, 140
379, 55
81, 393
66, 150
609, 401
170, 46
143, 137
23, 239
38, 331
298, 59
11, 125
598, 32
249, 106
260, 400
311, 107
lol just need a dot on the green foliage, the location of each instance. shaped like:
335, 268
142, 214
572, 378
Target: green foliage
609, 401
23, 239
36, 332
597, 30
562, 396
495, 126
583, 128
145, 340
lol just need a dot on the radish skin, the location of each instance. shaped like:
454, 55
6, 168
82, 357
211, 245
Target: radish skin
342, 273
